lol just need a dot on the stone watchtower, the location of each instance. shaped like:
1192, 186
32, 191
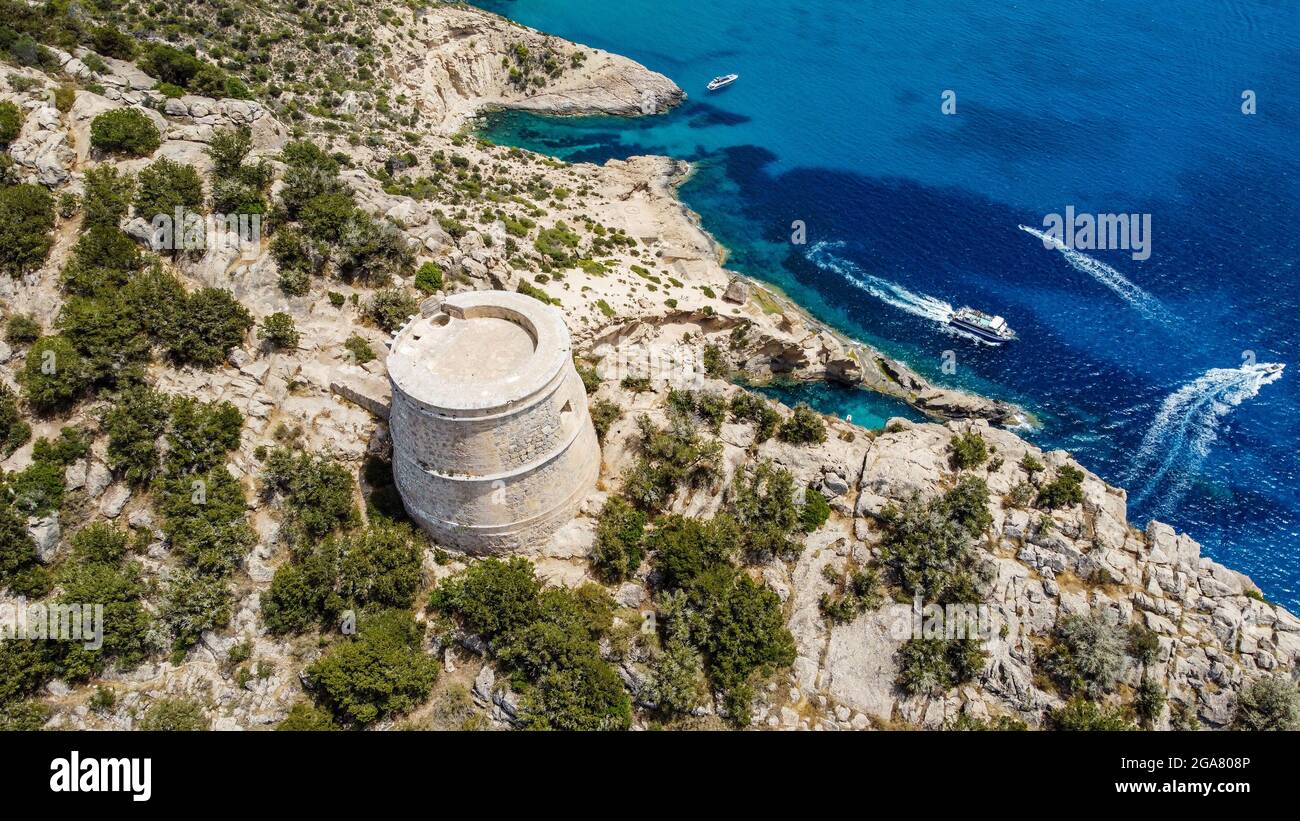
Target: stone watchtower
493, 448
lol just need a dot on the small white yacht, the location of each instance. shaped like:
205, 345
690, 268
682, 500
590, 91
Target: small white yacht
723, 81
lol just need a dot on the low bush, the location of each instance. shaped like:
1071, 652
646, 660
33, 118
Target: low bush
26, 226
379, 672
804, 427
618, 550
125, 131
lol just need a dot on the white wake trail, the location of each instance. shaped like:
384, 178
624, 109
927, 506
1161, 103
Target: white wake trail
1143, 302
1188, 423
891, 293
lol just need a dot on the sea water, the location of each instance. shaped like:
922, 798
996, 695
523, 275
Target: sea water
913, 140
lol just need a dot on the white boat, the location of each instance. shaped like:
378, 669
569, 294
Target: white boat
989, 328
723, 81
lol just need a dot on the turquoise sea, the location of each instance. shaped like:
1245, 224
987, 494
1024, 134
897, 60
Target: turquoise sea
1153, 371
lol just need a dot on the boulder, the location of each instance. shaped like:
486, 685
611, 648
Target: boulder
45, 533
737, 291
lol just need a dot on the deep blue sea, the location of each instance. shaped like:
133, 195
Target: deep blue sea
1153, 372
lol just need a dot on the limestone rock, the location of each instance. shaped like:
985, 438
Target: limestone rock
45, 533
737, 291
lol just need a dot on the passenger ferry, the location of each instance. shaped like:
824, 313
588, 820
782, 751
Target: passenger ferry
989, 328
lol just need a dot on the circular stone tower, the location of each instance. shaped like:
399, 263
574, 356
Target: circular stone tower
493, 448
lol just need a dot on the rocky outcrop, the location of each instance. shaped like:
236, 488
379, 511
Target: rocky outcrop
463, 63
1215, 631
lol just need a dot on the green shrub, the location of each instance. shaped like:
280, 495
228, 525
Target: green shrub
164, 186
318, 492
210, 325
587, 373
24, 716
38, 489
18, 558
933, 666
201, 435
152, 297
715, 364
968, 450
709, 407
670, 458
684, 548
528, 289
14, 430
677, 681
547, 639
54, 374
279, 331
108, 336
585, 694
98, 571
1080, 714
390, 308
174, 715
965, 722
618, 551
604, 413
306, 717
928, 546
1268, 703
379, 672
491, 597
22, 329
25, 668
1143, 644
860, 592
967, 504
1085, 657
804, 427
744, 634
816, 510
125, 131
379, 565
1065, 490
107, 199
762, 500
193, 603
429, 278
1149, 702
204, 517
26, 223
749, 407
360, 349
170, 65
111, 42
294, 251
11, 122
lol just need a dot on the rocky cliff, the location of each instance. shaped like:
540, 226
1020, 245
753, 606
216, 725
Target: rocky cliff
454, 68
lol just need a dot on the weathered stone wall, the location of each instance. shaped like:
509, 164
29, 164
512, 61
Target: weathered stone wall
498, 465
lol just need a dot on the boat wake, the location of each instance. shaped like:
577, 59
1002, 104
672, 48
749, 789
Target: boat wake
1185, 427
1141, 301
891, 293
